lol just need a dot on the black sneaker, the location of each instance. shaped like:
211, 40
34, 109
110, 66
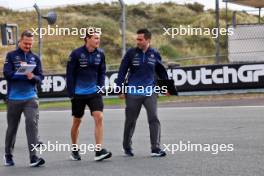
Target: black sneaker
128, 152
36, 161
75, 156
8, 160
158, 153
102, 154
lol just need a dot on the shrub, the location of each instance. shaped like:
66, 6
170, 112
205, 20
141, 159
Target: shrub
196, 7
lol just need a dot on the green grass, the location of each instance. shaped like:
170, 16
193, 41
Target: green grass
2, 107
161, 100
67, 104
59, 105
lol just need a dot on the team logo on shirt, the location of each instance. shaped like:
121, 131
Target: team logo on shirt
17, 58
32, 60
17, 61
97, 59
151, 59
83, 56
83, 60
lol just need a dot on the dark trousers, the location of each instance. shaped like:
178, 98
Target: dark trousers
133, 107
15, 108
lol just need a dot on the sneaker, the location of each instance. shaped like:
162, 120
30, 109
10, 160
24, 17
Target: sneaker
36, 161
102, 154
128, 152
8, 160
158, 153
75, 156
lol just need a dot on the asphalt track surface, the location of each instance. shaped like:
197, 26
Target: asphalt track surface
242, 126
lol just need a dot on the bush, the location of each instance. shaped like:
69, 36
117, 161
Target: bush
168, 51
199, 8
139, 12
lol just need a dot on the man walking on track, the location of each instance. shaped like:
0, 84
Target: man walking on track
141, 63
85, 71
22, 98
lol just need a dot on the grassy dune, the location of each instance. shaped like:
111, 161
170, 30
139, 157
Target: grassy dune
106, 16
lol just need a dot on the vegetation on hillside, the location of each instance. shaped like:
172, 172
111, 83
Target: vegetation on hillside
107, 16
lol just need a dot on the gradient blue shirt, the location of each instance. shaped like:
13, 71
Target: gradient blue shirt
19, 87
85, 71
142, 68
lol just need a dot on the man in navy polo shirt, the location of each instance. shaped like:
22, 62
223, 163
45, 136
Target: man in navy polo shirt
85, 72
142, 64
22, 98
